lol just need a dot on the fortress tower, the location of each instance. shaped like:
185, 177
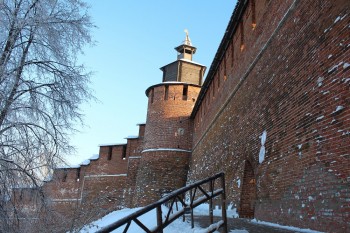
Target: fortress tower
168, 133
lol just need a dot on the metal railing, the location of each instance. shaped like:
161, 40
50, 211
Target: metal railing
197, 193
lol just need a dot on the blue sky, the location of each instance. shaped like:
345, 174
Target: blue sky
133, 40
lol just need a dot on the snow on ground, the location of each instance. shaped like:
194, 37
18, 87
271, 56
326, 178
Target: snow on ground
203, 210
284, 227
149, 219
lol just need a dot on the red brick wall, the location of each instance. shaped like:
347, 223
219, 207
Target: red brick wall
77, 196
168, 124
160, 173
142, 130
134, 149
290, 79
64, 185
168, 136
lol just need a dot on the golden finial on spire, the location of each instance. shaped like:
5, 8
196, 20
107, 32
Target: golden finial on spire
187, 39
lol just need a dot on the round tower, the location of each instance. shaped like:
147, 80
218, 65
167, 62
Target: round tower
168, 133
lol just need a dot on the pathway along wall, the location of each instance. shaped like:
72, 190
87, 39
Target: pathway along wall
279, 98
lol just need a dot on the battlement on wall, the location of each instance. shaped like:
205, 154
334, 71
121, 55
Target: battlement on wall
248, 34
107, 178
112, 159
172, 91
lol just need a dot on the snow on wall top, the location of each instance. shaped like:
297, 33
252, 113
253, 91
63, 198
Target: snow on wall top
166, 149
112, 144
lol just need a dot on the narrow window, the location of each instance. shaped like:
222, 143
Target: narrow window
78, 174
152, 95
242, 35
252, 2
184, 92
64, 179
110, 149
124, 152
166, 92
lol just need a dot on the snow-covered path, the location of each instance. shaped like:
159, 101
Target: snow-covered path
235, 225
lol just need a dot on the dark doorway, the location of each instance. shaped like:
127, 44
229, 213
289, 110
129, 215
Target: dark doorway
248, 194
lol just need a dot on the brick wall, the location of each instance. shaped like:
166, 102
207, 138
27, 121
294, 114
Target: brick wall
291, 79
190, 72
160, 173
79, 195
166, 150
168, 124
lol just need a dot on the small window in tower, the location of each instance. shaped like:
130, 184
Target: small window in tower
124, 152
78, 174
64, 179
110, 149
152, 95
166, 92
184, 92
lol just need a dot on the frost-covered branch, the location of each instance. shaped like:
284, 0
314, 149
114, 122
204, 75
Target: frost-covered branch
42, 87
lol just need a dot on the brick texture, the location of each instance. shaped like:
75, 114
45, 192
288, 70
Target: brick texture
167, 145
291, 80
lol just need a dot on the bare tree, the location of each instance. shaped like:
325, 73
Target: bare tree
41, 88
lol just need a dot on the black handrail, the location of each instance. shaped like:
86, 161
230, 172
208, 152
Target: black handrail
175, 197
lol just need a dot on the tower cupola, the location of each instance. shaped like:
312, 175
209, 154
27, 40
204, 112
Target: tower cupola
186, 50
184, 69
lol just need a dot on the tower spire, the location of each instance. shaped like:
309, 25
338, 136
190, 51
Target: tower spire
187, 39
186, 49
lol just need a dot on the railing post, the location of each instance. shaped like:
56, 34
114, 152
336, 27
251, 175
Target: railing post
191, 208
211, 189
223, 203
159, 219
184, 206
